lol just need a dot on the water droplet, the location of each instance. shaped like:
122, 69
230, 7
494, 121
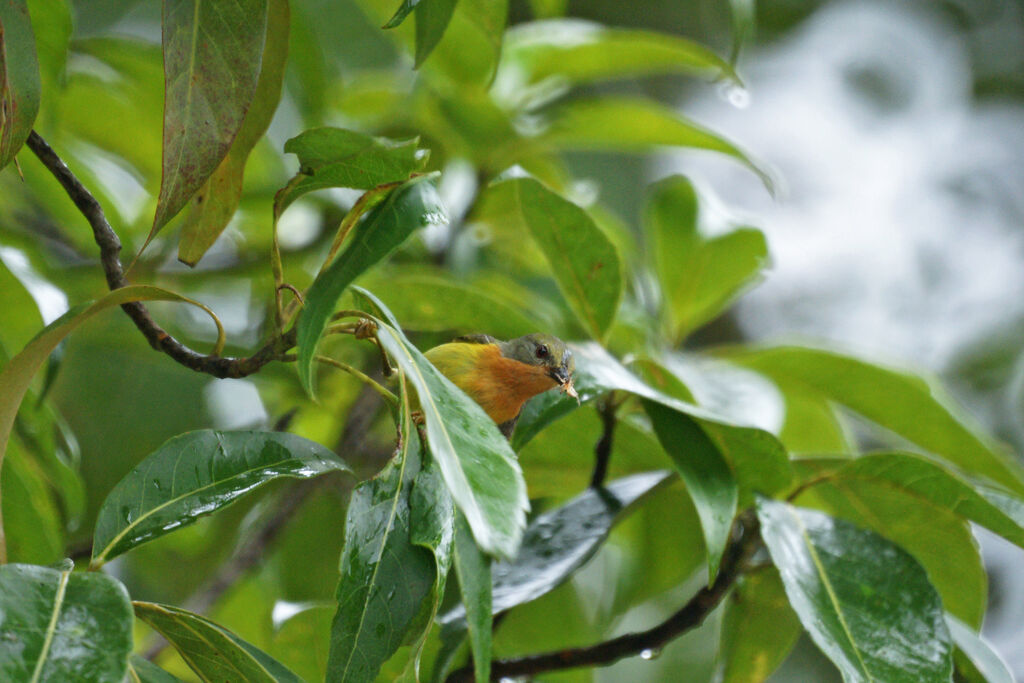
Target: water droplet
735, 95
650, 653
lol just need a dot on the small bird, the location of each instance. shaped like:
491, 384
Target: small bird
502, 375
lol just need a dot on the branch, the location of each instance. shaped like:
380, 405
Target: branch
746, 538
110, 250
603, 447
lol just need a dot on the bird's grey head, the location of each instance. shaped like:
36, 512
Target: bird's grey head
544, 350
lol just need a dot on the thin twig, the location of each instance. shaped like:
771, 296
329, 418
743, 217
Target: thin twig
366, 379
110, 250
603, 447
745, 542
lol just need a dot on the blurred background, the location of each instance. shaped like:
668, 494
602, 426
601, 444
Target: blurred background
895, 130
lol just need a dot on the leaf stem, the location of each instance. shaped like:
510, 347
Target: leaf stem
373, 384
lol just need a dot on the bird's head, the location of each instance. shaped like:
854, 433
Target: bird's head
548, 352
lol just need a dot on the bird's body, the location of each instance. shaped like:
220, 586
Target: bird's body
502, 376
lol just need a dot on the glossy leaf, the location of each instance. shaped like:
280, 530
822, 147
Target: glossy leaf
758, 460
562, 540
986, 661
212, 54
213, 205
699, 276
415, 204
211, 651
759, 629
583, 260
432, 20
627, 124
474, 571
901, 402
582, 52
19, 78
195, 474
385, 578
62, 626
477, 464
141, 670
336, 157
864, 601
707, 476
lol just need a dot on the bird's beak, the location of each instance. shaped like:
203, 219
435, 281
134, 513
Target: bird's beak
564, 379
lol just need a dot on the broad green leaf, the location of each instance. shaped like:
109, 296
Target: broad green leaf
901, 402
708, 478
195, 474
19, 78
213, 205
758, 460
62, 626
385, 578
939, 539
32, 523
585, 263
987, 663
302, 641
52, 25
141, 670
562, 540
477, 464
468, 44
811, 425
415, 204
212, 54
629, 124
582, 52
699, 276
759, 629
18, 373
474, 571
335, 157
864, 601
213, 652
432, 20
434, 303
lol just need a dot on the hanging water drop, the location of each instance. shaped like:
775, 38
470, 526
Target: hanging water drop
650, 653
736, 95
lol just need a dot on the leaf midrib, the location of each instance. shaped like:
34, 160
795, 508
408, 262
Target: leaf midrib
51, 628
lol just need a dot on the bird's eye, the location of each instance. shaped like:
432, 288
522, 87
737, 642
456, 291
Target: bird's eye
542, 351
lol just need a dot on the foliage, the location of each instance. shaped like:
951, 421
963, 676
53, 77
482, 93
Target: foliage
446, 190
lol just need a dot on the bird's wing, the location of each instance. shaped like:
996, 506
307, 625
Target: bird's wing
477, 339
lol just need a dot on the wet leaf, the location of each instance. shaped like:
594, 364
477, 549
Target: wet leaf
477, 464
414, 205
759, 629
213, 205
195, 474
699, 276
62, 626
141, 670
213, 652
864, 601
562, 540
987, 664
212, 55
474, 572
19, 78
901, 402
707, 476
585, 263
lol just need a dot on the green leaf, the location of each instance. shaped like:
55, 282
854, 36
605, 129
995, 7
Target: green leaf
931, 532
335, 157
477, 464
468, 43
141, 670
415, 204
32, 523
212, 54
758, 460
385, 578
903, 403
19, 78
987, 663
432, 20
584, 261
759, 629
62, 626
864, 601
213, 652
707, 476
474, 572
699, 276
629, 124
744, 23
404, 10
583, 52
213, 205
195, 474
562, 540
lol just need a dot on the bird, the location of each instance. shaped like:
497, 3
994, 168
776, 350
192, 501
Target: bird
502, 375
